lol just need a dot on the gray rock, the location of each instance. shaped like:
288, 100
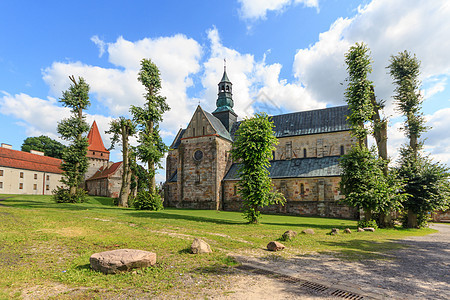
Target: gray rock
360, 229
289, 235
334, 231
347, 230
275, 246
369, 229
200, 246
308, 231
121, 260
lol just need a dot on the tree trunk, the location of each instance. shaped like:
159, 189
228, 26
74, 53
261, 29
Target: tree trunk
151, 164
125, 189
412, 219
367, 214
380, 135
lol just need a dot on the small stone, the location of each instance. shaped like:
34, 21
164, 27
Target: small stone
200, 246
360, 229
369, 229
308, 231
121, 260
275, 246
347, 230
334, 231
289, 235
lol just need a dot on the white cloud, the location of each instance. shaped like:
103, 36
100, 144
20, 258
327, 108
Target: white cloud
387, 27
257, 9
437, 139
100, 44
177, 58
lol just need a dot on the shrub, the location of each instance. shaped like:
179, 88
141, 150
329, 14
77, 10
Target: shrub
146, 200
370, 223
62, 195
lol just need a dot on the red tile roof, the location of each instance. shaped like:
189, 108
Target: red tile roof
106, 172
95, 140
27, 161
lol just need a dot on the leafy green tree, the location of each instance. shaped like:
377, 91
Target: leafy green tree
122, 129
426, 182
364, 184
44, 144
73, 130
359, 92
151, 148
253, 147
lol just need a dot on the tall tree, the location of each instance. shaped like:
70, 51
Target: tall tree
44, 144
151, 147
253, 147
122, 129
74, 129
359, 93
426, 182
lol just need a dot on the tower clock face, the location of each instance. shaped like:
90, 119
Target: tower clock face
198, 155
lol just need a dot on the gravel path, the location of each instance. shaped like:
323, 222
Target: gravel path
419, 271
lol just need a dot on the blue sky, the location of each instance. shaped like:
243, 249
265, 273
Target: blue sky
288, 53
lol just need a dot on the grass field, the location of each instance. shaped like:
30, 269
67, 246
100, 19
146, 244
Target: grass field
46, 246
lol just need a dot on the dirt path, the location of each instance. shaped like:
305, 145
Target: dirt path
419, 271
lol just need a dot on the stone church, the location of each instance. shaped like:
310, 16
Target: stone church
200, 173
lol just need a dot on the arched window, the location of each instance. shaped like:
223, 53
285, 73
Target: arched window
203, 130
228, 88
342, 150
302, 189
193, 131
304, 152
273, 155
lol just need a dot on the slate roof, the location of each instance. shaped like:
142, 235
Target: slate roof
174, 177
95, 140
28, 161
218, 126
296, 168
325, 120
178, 138
106, 172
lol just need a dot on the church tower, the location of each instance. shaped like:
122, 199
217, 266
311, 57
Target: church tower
224, 111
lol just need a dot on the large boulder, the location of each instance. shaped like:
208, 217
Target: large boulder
308, 231
200, 246
289, 235
275, 246
121, 260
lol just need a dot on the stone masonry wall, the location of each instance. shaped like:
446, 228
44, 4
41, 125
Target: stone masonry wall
317, 197
316, 145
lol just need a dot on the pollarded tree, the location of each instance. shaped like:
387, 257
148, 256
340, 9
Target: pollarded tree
73, 130
426, 182
122, 129
45, 144
253, 148
151, 148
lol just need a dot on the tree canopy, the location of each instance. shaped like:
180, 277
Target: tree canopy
44, 144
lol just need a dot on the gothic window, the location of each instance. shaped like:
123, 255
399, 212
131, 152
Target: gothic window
342, 150
304, 152
235, 190
203, 130
193, 131
288, 150
273, 155
197, 178
302, 189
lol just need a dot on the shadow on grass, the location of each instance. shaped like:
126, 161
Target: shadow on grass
83, 267
162, 215
358, 248
66, 206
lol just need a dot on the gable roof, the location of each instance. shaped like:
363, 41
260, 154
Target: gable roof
106, 172
177, 140
296, 168
218, 126
28, 161
317, 121
95, 140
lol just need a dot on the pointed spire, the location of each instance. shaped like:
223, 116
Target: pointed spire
95, 140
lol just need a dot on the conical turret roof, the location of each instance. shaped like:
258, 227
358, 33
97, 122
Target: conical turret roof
95, 140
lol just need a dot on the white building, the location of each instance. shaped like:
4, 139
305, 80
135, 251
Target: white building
28, 173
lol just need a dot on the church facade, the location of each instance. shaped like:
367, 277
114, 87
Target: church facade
200, 173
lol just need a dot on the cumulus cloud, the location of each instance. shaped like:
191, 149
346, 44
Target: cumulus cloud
257, 9
177, 58
387, 27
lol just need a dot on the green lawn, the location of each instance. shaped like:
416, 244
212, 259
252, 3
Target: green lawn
44, 244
